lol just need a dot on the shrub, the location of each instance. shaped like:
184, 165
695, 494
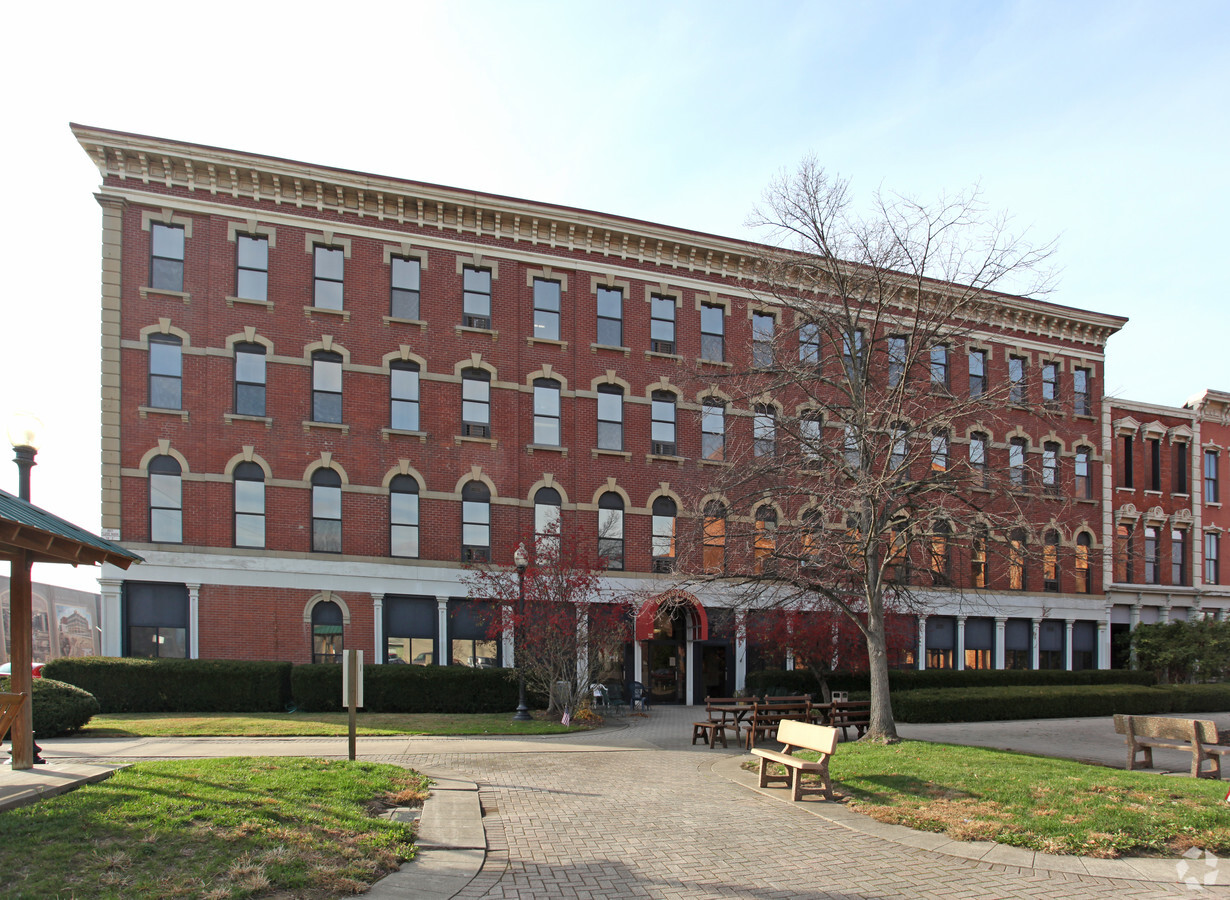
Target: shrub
408, 689
802, 681
177, 685
1184, 651
57, 708
983, 704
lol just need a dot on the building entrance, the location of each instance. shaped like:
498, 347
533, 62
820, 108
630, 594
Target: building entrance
669, 631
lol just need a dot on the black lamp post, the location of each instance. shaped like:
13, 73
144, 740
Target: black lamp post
522, 560
23, 433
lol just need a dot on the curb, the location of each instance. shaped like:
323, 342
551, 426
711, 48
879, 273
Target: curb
1134, 868
451, 844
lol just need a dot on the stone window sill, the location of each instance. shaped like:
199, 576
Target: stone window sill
651, 354
466, 329
393, 320
248, 301
159, 292
594, 348
232, 418
144, 411
547, 448
550, 342
656, 457
598, 451
308, 425
716, 362
385, 433
309, 311
466, 439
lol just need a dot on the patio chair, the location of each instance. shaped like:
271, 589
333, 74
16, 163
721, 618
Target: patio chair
615, 697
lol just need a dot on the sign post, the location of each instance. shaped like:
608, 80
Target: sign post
352, 688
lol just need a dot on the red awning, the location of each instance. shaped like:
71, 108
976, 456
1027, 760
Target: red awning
648, 614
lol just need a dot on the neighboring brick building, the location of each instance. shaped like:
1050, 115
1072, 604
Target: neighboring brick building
325, 391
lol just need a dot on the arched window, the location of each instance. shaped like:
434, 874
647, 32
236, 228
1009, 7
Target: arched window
326, 511
403, 516
611, 530
766, 538
546, 412
476, 403
764, 430
713, 429
941, 572
899, 447
1083, 543
547, 523
475, 522
1017, 580
1083, 484
978, 557
166, 371
166, 506
813, 528
610, 417
811, 434
714, 538
662, 424
1050, 467
663, 537
326, 632
1050, 561
327, 387
939, 450
249, 505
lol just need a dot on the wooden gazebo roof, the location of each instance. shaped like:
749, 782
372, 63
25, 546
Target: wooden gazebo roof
50, 539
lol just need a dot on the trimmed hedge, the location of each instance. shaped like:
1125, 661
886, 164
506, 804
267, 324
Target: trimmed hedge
57, 708
177, 685
800, 681
408, 689
984, 704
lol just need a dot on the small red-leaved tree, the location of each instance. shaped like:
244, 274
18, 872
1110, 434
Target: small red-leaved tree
568, 633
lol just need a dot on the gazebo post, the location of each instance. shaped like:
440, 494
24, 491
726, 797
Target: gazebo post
22, 732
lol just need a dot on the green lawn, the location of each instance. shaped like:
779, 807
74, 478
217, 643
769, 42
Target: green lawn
213, 829
1053, 805
302, 724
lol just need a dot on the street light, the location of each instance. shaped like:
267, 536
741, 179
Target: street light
521, 560
23, 432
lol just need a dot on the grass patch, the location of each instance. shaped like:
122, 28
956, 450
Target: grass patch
1038, 803
213, 829
301, 724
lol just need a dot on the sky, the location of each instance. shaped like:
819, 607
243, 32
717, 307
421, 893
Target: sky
1105, 125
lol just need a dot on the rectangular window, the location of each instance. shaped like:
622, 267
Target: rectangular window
250, 379
404, 280
661, 324
1050, 383
166, 506
155, 620
249, 505
712, 332
1212, 569
1082, 563
1153, 574
1050, 562
546, 309
329, 268
610, 317
896, 360
1081, 404
252, 267
978, 458
1125, 555
1155, 464
166, 267
165, 372
410, 626
763, 326
939, 451
764, 431
811, 435
713, 431
1178, 556
404, 396
939, 366
475, 403
1180, 468
1126, 475
327, 518
809, 343
1016, 562
850, 448
852, 353
898, 449
1050, 468
713, 542
476, 297
546, 412
977, 373
1084, 487
1016, 462
611, 530
610, 417
662, 425
1212, 493
1016, 379
978, 560
326, 387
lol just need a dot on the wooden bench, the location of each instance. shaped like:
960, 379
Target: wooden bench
1198, 737
854, 714
766, 717
800, 736
10, 709
730, 711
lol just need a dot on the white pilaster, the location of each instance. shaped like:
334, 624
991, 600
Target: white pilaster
1001, 622
443, 657
110, 618
194, 621
1035, 628
378, 648
1067, 645
922, 642
740, 650
959, 661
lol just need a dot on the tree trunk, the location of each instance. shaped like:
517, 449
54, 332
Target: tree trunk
883, 727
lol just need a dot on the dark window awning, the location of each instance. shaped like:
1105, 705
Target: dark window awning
47, 538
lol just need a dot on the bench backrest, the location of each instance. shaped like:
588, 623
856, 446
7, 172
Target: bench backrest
1167, 728
10, 706
777, 711
793, 698
809, 737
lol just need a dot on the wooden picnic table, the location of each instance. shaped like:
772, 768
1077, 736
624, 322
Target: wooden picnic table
731, 711
845, 714
767, 716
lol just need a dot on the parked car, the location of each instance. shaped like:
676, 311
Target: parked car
36, 669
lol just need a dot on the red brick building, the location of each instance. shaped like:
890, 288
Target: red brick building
325, 392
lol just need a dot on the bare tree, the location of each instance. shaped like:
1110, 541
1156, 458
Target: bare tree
850, 494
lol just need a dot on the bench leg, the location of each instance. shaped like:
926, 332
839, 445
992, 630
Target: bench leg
764, 772
796, 777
